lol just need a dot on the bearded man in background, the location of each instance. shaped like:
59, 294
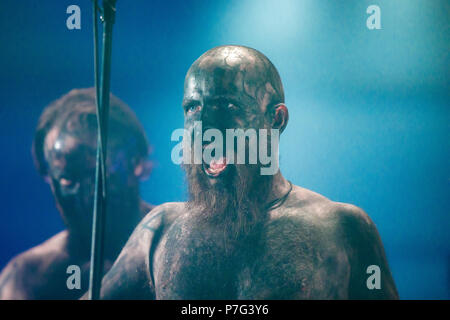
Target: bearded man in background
64, 150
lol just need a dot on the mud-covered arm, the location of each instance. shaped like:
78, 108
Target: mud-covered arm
130, 276
366, 250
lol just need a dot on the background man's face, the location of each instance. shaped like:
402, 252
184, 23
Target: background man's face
71, 161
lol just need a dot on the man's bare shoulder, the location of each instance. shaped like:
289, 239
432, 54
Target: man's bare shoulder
162, 216
24, 271
147, 234
307, 206
334, 226
148, 231
42, 255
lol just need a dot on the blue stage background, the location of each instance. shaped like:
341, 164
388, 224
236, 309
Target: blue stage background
369, 110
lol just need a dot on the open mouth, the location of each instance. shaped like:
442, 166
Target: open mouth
216, 167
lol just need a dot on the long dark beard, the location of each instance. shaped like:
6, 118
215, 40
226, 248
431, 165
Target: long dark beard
234, 204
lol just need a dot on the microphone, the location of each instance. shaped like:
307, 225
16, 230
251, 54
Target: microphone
109, 11
102, 84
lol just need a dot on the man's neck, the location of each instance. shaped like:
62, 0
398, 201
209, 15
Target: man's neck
280, 187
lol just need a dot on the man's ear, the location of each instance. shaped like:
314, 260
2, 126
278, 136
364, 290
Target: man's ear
280, 117
143, 169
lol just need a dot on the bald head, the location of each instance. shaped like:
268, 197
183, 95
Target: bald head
239, 74
232, 89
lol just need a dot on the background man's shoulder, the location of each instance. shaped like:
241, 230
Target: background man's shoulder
28, 269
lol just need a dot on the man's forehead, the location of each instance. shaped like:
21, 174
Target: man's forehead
68, 151
203, 85
63, 143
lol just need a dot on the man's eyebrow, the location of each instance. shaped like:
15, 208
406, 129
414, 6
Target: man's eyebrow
188, 102
226, 98
229, 98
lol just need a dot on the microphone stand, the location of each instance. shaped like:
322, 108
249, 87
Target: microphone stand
102, 85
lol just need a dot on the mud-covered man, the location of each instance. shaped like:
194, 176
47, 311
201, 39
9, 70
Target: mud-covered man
64, 150
242, 234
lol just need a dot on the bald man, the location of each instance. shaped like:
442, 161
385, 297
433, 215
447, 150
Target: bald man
244, 234
64, 150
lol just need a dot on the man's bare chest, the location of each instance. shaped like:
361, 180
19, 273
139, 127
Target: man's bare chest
199, 266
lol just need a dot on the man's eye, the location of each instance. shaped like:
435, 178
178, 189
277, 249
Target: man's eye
193, 108
232, 106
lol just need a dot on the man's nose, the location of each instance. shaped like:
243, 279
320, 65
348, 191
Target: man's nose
212, 117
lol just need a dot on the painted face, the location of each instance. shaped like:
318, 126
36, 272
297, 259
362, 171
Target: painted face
227, 89
71, 160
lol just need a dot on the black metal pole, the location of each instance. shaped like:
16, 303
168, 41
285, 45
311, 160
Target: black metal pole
99, 214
